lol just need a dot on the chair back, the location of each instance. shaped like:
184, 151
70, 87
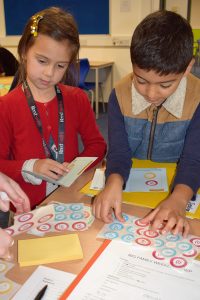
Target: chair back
84, 69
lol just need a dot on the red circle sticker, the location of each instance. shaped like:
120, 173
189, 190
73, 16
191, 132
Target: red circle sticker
178, 262
190, 253
151, 182
61, 226
44, 227
9, 231
143, 241
86, 214
157, 255
140, 231
195, 241
25, 217
79, 225
26, 226
45, 218
139, 223
151, 233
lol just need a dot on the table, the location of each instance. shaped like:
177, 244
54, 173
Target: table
87, 238
97, 66
5, 83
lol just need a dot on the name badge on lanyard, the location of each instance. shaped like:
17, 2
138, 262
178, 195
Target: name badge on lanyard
50, 149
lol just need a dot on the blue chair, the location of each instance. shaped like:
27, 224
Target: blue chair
84, 69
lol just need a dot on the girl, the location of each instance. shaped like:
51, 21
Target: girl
41, 118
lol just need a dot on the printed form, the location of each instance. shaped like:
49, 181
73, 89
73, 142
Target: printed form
124, 271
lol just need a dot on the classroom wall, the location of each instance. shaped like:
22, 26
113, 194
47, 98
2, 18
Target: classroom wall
124, 17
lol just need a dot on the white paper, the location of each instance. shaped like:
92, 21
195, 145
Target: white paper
56, 280
78, 166
98, 180
147, 180
129, 272
193, 204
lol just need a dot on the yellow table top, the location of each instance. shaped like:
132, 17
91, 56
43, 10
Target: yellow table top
147, 199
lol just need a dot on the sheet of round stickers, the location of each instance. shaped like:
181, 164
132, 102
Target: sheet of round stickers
54, 217
173, 249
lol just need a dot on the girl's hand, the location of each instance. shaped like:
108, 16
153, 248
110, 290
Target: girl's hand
50, 168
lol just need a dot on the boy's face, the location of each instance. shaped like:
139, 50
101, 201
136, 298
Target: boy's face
153, 87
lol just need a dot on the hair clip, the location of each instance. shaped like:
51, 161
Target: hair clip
34, 26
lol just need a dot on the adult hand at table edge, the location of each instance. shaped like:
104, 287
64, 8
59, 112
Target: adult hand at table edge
14, 194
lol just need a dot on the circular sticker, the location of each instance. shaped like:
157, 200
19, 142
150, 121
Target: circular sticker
143, 241
125, 217
79, 225
45, 218
26, 226
178, 262
61, 226
129, 229
168, 252
116, 226
149, 175
86, 214
139, 223
111, 235
140, 231
157, 255
195, 241
184, 246
10, 231
159, 243
60, 217
190, 253
60, 208
2, 267
172, 238
151, 182
77, 216
76, 207
150, 233
128, 238
44, 227
5, 286
25, 217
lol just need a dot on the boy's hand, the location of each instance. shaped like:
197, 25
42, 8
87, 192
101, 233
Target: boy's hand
171, 214
50, 168
109, 200
12, 193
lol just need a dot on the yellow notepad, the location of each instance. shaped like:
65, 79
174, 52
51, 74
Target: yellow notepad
49, 249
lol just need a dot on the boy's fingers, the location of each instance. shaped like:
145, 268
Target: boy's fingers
149, 218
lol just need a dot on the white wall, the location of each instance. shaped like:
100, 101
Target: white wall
124, 17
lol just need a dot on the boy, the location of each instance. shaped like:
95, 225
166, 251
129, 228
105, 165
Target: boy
148, 116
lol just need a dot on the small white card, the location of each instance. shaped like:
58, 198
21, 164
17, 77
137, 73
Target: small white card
56, 280
78, 166
98, 181
147, 180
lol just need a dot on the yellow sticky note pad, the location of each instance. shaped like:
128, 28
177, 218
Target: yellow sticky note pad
49, 249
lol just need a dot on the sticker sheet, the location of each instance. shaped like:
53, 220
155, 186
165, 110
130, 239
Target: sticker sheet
147, 180
7, 287
177, 251
54, 217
